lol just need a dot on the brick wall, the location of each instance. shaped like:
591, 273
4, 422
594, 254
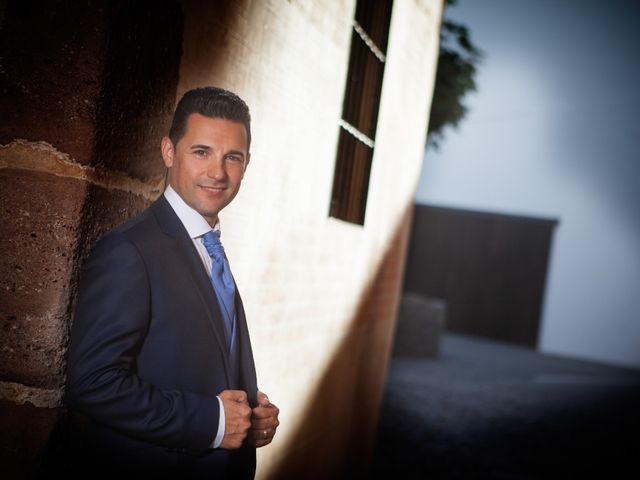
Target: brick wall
87, 92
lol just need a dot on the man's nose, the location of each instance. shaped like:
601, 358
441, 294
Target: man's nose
217, 168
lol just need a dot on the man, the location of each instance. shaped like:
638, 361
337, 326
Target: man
160, 359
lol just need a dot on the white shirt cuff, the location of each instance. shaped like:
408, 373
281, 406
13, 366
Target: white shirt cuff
221, 418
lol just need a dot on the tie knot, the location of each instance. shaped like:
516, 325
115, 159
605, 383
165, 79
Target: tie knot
212, 243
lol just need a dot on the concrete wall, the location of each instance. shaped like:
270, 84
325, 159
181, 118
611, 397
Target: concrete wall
321, 295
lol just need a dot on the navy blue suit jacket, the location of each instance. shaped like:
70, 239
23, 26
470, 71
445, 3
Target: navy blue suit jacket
147, 354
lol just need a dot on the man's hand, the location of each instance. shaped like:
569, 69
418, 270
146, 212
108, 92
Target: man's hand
237, 415
264, 421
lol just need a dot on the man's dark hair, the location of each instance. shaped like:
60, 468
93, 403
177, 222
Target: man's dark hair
211, 102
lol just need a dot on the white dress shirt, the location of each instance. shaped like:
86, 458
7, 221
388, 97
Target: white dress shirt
196, 227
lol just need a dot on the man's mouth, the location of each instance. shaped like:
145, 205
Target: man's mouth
212, 189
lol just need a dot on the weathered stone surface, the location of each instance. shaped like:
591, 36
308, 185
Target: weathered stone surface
42, 157
105, 209
95, 79
38, 234
24, 433
49, 225
139, 86
39, 397
52, 65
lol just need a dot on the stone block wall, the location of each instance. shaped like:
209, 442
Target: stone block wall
86, 92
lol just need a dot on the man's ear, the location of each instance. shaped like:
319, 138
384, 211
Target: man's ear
168, 151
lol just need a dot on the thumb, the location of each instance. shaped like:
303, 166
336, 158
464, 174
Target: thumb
263, 400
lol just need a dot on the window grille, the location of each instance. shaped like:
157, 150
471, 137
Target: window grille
356, 141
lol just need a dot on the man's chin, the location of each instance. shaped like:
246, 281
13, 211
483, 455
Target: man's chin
209, 209
210, 214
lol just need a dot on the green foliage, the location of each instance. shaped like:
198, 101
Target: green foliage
457, 68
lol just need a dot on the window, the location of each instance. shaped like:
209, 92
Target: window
360, 110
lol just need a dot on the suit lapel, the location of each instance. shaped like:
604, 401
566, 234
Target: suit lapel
172, 226
247, 366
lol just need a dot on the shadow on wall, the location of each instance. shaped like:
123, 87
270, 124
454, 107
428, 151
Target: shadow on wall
140, 78
90, 88
134, 110
335, 440
215, 55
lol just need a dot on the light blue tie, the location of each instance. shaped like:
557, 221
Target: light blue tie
222, 281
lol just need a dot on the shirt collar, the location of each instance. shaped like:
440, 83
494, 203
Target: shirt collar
193, 222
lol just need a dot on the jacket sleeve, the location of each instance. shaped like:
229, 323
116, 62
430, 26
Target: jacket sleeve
110, 324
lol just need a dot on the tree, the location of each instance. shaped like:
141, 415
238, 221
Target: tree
457, 67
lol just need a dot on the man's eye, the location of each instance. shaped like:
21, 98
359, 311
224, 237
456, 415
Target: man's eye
201, 153
234, 158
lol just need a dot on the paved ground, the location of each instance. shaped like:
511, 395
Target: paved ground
489, 410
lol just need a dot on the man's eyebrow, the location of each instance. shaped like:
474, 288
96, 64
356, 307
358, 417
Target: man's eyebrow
200, 147
235, 152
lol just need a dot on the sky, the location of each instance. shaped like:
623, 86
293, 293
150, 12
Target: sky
552, 132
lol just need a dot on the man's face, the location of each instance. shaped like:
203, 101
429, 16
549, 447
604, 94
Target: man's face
207, 164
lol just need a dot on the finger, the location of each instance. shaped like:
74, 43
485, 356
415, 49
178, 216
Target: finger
240, 428
263, 412
260, 423
240, 396
261, 434
235, 396
271, 408
262, 443
264, 422
235, 411
263, 399
245, 416
263, 437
